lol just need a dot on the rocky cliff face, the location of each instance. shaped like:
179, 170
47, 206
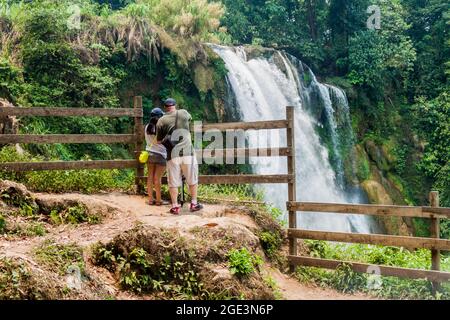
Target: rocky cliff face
376, 173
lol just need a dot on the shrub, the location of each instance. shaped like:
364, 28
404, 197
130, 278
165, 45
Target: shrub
242, 262
74, 215
59, 256
270, 242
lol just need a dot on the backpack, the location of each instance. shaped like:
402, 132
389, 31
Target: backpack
168, 142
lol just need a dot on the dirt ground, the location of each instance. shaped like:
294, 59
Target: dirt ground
124, 212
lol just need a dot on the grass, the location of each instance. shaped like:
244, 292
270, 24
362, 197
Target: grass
344, 279
59, 257
84, 181
270, 282
242, 192
27, 229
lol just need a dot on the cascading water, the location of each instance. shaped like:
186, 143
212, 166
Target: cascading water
263, 86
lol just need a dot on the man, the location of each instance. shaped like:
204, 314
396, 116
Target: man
181, 160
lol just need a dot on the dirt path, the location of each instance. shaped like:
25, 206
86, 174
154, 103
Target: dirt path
127, 211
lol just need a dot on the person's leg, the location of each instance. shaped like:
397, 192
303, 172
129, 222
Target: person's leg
190, 170
159, 171
150, 179
174, 196
174, 177
193, 192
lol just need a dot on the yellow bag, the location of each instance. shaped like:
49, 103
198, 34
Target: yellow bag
143, 157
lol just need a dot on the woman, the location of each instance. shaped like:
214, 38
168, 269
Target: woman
156, 160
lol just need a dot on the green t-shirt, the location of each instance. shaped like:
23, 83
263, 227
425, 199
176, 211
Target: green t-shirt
167, 123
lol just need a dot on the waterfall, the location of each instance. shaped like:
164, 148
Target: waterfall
263, 85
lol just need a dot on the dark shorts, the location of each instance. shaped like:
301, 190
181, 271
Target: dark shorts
156, 158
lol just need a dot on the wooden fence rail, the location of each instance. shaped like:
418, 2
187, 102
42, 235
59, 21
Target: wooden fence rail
367, 209
137, 140
71, 112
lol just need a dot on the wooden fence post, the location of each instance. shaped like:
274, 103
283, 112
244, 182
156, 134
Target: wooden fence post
139, 134
435, 233
292, 194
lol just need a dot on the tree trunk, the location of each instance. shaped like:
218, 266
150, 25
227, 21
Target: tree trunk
312, 19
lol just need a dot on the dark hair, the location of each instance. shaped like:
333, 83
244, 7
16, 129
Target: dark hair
151, 128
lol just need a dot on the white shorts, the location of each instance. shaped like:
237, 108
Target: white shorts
187, 166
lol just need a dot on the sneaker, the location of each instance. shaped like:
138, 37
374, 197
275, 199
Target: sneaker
175, 210
196, 207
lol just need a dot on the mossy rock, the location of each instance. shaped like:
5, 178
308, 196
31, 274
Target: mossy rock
203, 77
376, 193
378, 155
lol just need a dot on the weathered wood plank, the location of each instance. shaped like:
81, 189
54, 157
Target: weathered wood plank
238, 179
70, 112
430, 275
256, 125
139, 144
67, 138
292, 188
67, 165
366, 209
435, 233
386, 240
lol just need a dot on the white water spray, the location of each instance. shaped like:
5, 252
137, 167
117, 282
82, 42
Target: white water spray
263, 87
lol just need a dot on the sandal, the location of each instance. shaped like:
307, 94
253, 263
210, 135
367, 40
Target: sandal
161, 203
151, 203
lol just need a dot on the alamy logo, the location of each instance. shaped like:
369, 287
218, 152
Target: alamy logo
73, 278
374, 281
374, 21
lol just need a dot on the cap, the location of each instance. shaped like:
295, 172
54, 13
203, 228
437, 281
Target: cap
170, 102
156, 112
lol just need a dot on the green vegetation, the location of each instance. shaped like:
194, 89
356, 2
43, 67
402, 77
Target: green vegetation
2, 224
25, 229
346, 280
16, 282
271, 243
242, 262
162, 263
74, 215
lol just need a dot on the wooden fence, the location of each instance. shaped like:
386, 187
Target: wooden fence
433, 212
137, 140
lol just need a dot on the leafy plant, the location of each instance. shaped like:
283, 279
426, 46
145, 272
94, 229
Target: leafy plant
74, 215
242, 262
